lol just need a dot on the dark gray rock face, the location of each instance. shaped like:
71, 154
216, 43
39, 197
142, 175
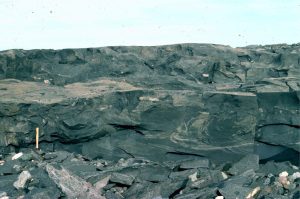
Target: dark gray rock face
249, 162
181, 106
154, 102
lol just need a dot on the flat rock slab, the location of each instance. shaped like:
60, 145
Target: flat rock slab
121, 178
193, 164
248, 162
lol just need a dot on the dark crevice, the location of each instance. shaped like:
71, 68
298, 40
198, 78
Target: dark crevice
287, 154
290, 155
126, 152
6, 174
244, 58
121, 185
279, 124
290, 89
149, 65
266, 143
177, 192
218, 193
139, 132
184, 153
137, 129
62, 139
153, 181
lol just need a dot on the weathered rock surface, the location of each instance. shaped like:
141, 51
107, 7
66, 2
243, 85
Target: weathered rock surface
73, 186
170, 101
22, 180
75, 177
167, 112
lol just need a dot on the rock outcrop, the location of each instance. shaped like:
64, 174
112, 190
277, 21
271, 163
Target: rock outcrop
154, 102
163, 104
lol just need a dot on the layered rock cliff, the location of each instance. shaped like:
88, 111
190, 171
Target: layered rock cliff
154, 102
161, 103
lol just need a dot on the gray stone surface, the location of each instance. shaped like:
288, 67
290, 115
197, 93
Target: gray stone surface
193, 164
188, 98
72, 185
6, 184
149, 117
121, 178
22, 180
191, 99
248, 162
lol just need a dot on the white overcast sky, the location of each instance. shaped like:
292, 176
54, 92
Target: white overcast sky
32, 24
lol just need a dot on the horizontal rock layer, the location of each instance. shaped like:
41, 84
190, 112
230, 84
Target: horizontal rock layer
160, 103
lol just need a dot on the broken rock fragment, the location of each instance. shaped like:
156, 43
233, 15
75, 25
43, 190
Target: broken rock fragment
22, 180
16, 156
248, 162
73, 186
121, 178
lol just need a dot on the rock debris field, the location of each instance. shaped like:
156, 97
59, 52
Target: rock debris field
179, 121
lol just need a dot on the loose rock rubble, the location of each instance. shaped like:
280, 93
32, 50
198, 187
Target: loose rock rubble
75, 177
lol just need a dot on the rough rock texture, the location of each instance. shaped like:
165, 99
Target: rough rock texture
170, 101
72, 186
75, 177
180, 105
22, 180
